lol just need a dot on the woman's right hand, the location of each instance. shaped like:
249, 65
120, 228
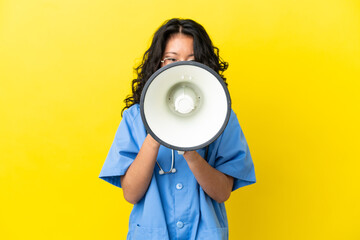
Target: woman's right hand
137, 178
152, 141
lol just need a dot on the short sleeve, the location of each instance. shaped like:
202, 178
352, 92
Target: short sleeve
123, 150
233, 155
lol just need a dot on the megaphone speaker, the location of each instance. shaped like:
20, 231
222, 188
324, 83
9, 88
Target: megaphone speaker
185, 105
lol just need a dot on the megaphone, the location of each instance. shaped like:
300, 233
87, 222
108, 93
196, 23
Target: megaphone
185, 105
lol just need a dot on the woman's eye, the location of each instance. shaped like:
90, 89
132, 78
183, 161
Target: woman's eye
172, 59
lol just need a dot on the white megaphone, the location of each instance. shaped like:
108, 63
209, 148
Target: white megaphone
185, 105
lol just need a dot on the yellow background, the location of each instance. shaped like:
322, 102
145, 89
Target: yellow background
66, 66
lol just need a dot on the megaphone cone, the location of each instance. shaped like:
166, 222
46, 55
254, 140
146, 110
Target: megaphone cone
185, 105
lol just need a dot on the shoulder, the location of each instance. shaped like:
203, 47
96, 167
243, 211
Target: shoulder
232, 132
132, 113
233, 121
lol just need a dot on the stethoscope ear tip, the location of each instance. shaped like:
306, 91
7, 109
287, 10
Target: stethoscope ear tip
172, 169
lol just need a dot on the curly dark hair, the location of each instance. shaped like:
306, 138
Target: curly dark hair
205, 52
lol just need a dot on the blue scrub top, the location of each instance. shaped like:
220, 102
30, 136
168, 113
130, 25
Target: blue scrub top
175, 206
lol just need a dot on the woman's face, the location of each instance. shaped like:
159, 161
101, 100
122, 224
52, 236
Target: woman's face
178, 48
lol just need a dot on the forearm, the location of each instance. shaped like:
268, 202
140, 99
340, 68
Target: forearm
137, 178
215, 183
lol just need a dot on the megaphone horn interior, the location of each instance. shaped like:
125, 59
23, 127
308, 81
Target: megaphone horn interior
185, 105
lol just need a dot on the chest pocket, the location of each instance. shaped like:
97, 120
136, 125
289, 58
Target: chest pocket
215, 233
147, 233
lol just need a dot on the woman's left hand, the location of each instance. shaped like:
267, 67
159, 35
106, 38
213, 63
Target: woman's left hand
215, 183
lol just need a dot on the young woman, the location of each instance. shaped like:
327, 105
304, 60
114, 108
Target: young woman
187, 203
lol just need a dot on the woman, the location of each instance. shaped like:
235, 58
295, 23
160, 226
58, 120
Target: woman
187, 203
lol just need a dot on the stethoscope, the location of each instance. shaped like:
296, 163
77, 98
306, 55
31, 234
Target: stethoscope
172, 169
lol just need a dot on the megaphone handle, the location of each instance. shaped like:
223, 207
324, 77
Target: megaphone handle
181, 152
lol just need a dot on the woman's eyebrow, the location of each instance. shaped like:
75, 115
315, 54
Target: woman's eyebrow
171, 53
175, 53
